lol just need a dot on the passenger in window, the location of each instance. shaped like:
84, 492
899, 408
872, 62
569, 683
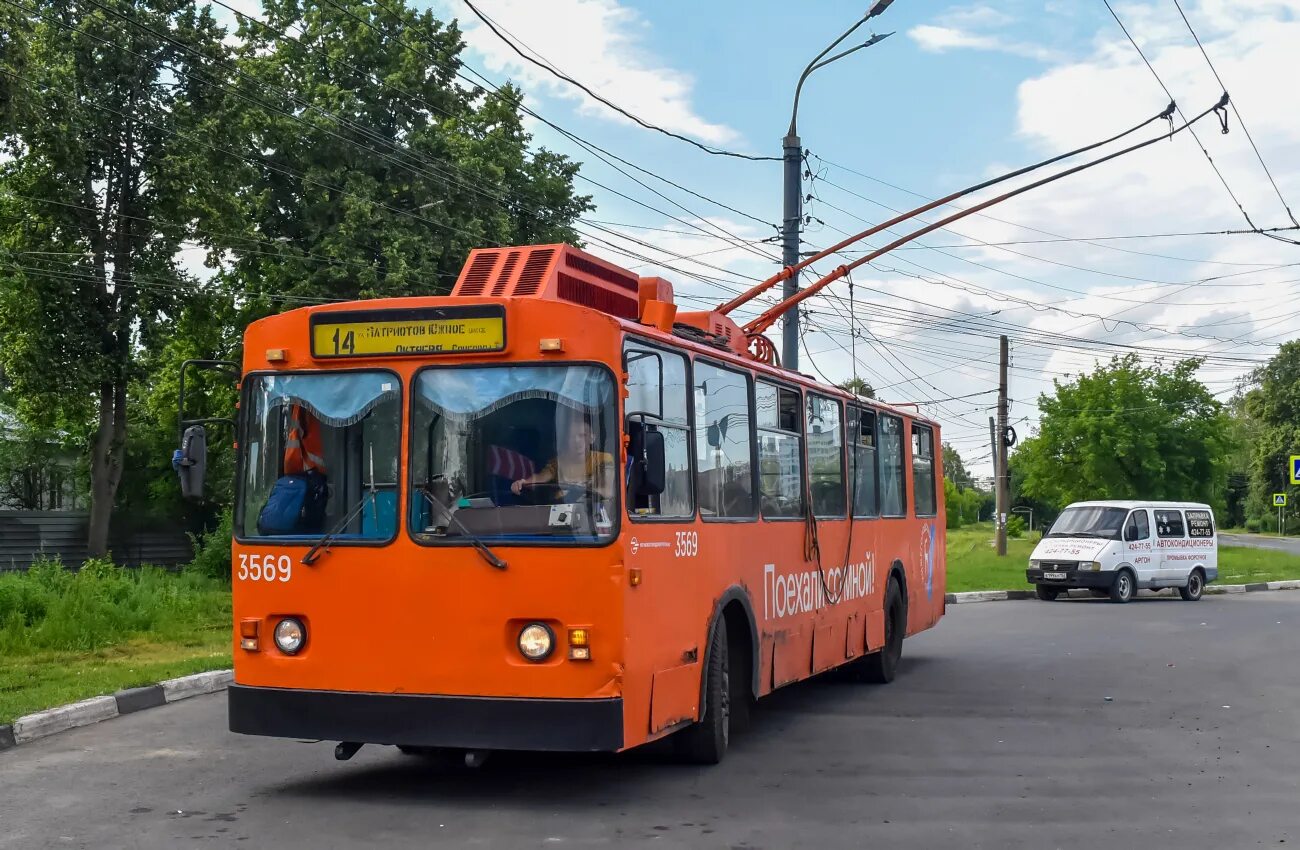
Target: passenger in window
577, 464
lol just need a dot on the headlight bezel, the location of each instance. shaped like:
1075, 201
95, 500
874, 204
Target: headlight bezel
544, 632
290, 623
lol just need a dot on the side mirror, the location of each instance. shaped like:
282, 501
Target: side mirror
649, 469
191, 461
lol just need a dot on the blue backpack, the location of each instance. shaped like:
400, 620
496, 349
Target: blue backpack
296, 505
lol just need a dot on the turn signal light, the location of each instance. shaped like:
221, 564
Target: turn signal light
248, 634
276, 355
579, 645
551, 344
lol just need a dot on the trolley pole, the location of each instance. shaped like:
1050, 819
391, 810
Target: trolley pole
1000, 444
792, 219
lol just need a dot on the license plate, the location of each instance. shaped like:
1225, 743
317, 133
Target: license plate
1054, 576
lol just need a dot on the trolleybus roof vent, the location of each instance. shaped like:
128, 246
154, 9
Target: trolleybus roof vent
530, 279
512, 259
553, 273
474, 278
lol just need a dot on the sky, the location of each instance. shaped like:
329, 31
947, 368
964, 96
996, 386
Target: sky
956, 94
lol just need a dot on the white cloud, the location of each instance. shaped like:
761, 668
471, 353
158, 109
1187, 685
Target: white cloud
940, 39
600, 44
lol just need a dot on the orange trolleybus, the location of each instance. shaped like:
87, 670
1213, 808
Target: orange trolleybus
551, 512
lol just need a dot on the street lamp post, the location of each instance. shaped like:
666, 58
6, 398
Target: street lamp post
792, 208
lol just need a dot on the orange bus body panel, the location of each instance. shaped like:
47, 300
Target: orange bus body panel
409, 619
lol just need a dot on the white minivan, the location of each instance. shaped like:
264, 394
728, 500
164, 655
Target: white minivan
1115, 548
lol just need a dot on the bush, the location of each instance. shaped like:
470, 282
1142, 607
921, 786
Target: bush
1015, 526
212, 550
52, 608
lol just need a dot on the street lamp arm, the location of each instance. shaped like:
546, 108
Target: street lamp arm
814, 65
873, 40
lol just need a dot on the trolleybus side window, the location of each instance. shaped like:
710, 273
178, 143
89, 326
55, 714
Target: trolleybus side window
516, 453
825, 456
1169, 524
862, 461
923, 470
780, 450
724, 478
656, 401
320, 454
893, 496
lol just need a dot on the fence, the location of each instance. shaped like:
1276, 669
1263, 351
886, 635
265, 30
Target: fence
27, 535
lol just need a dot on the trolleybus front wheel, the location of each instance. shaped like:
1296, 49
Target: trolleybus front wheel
706, 741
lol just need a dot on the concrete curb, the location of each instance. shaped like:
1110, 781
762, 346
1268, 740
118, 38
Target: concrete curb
42, 724
1210, 589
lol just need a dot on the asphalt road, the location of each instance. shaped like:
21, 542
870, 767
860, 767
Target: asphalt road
998, 733
1261, 541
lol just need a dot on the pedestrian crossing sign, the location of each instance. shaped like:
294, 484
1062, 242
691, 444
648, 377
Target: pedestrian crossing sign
1279, 500
1295, 469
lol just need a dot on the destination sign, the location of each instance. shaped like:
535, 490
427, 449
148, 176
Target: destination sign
412, 332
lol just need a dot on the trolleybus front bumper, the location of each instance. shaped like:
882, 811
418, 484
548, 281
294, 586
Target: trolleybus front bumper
419, 720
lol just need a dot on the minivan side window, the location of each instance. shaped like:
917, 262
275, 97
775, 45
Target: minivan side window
1169, 523
1200, 524
1138, 526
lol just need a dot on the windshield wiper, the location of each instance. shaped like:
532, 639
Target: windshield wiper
475, 541
324, 542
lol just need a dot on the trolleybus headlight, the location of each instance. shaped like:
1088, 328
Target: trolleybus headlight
290, 635
536, 641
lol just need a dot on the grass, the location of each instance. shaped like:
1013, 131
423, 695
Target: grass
973, 565
68, 636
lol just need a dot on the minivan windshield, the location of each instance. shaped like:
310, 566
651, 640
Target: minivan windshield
513, 454
1100, 522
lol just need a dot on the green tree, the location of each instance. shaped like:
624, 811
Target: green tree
1271, 422
953, 467
1127, 431
859, 387
381, 173
113, 132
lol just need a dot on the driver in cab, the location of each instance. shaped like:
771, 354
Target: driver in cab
576, 464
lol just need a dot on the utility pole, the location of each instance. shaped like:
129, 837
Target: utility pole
792, 208
1000, 447
791, 224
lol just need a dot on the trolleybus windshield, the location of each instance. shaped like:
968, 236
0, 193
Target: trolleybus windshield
314, 446
518, 454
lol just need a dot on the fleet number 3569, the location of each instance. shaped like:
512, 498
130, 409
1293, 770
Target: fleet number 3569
264, 567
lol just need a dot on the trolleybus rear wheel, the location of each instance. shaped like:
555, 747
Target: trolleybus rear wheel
706, 741
881, 667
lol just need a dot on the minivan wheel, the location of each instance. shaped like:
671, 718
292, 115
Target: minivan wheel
1195, 586
1046, 593
1122, 589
